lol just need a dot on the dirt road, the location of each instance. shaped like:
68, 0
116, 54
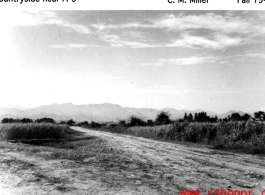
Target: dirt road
193, 168
126, 164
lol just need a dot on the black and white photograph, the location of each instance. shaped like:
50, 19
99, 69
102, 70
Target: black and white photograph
132, 102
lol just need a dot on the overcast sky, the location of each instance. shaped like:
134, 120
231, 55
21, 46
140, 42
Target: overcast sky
212, 60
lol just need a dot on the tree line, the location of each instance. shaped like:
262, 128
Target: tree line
162, 118
41, 120
203, 117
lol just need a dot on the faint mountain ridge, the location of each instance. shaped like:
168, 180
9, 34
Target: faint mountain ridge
98, 112
229, 113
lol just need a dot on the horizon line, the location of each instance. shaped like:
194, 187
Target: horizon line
159, 109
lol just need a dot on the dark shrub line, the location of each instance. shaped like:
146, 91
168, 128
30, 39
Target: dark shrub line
20, 131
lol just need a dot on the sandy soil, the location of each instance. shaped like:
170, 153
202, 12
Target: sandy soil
124, 164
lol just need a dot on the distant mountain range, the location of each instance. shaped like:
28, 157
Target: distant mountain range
96, 112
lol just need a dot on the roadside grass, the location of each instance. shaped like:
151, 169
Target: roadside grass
29, 131
247, 137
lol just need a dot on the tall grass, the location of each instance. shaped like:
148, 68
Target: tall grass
245, 136
19, 131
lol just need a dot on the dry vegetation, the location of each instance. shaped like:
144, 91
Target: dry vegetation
26, 131
246, 137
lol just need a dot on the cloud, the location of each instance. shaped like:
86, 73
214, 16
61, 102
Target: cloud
210, 21
191, 60
228, 41
153, 64
223, 23
77, 28
221, 92
221, 31
52, 18
247, 56
135, 34
155, 90
185, 41
106, 27
193, 42
163, 87
106, 77
74, 46
169, 89
196, 42
69, 46
184, 61
115, 41
33, 18
255, 55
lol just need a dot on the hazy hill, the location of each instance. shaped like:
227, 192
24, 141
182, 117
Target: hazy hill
96, 112
180, 113
230, 113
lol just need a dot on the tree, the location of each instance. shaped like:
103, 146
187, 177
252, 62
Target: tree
214, 119
45, 120
162, 118
85, 123
190, 117
94, 125
202, 117
26, 120
245, 117
235, 117
260, 115
185, 116
8, 120
196, 117
150, 122
122, 122
136, 121
70, 122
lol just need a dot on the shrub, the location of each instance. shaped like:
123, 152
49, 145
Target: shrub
70, 122
162, 118
45, 120
136, 121
11, 120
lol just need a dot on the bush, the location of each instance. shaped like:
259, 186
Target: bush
45, 120
136, 121
162, 119
70, 122
85, 123
11, 120
111, 125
